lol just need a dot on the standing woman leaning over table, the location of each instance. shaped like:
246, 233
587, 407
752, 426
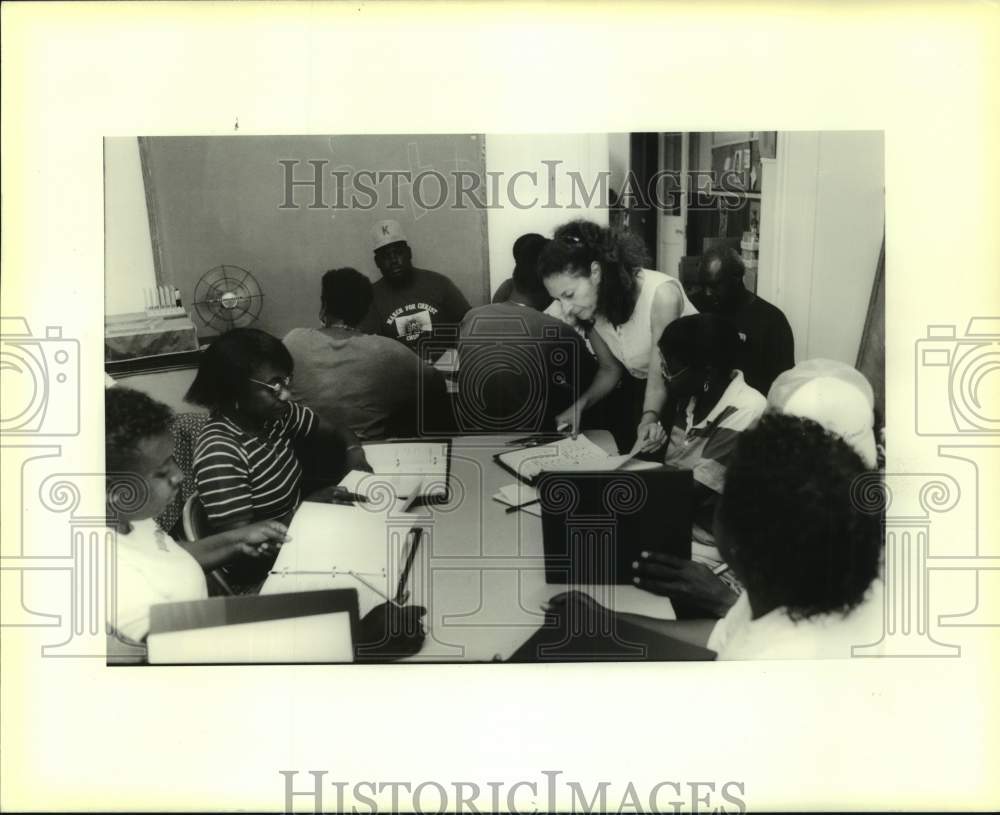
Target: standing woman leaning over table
597, 276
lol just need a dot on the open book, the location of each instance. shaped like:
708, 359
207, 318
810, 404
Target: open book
403, 471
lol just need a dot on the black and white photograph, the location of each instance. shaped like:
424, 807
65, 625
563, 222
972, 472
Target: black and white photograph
488, 398
447, 407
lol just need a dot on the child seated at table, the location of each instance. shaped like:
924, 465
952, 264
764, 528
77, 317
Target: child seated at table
142, 479
151, 567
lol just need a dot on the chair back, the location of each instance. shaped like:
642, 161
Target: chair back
185, 428
195, 520
196, 526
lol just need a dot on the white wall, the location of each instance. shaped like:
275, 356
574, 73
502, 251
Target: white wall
506, 154
128, 265
821, 230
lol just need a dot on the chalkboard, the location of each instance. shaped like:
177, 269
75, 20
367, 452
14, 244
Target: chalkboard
225, 201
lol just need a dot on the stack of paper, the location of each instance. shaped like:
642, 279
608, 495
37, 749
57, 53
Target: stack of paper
564, 455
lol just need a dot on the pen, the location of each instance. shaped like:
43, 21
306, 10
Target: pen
531, 441
402, 595
516, 507
380, 593
342, 494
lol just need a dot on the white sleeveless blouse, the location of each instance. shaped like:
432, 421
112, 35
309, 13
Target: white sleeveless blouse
632, 341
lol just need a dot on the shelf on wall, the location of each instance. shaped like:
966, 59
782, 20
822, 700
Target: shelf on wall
736, 141
754, 196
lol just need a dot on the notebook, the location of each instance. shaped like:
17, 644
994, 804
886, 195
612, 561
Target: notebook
596, 524
565, 455
608, 638
314, 626
412, 466
341, 547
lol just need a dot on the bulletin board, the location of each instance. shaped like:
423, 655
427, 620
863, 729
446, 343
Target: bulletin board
225, 200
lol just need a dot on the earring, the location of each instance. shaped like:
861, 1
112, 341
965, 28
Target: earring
705, 386
236, 404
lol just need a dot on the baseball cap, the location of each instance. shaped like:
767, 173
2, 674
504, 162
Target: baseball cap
832, 394
386, 232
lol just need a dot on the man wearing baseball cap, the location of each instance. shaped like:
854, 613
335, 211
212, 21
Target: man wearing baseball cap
408, 303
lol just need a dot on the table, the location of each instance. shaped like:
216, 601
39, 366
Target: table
479, 571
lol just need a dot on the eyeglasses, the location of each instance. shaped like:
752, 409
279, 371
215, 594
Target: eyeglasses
670, 377
277, 388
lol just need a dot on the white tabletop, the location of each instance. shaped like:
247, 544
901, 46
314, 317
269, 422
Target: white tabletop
480, 571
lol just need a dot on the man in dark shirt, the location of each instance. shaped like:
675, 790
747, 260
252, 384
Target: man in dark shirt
408, 303
525, 255
767, 345
517, 367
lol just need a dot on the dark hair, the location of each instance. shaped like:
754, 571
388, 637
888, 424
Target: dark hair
793, 527
620, 254
129, 417
527, 248
346, 294
730, 260
228, 363
706, 340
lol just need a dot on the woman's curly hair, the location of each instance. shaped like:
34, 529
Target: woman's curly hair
129, 417
792, 526
621, 255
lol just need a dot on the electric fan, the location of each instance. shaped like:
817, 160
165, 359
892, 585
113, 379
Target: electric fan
227, 297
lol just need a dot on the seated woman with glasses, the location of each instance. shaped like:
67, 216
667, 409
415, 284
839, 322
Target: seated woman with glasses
597, 277
248, 462
710, 406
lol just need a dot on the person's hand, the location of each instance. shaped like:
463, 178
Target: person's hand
332, 494
356, 459
650, 435
324, 495
683, 580
390, 631
260, 539
569, 420
572, 601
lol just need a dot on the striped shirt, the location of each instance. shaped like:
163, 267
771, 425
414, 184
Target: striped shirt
243, 478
